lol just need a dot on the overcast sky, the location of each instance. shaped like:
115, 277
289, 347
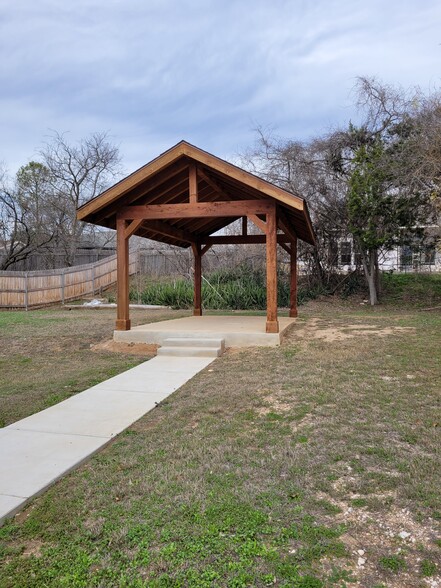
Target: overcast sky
153, 72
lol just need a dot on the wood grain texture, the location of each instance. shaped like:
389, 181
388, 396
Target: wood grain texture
259, 223
196, 210
122, 258
193, 184
272, 325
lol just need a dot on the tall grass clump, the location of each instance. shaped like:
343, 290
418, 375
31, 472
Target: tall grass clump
239, 288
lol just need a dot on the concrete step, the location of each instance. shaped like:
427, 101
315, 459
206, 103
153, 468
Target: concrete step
174, 351
194, 342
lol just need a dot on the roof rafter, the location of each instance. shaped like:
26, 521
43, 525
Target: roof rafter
168, 230
141, 192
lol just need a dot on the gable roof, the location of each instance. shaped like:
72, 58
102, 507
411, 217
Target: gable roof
166, 180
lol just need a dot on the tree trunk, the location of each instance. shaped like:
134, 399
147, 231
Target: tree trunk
369, 267
377, 275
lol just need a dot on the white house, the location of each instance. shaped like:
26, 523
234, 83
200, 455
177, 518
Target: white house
421, 255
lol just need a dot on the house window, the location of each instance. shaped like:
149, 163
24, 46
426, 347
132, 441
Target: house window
333, 253
406, 256
345, 253
358, 259
428, 256
415, 256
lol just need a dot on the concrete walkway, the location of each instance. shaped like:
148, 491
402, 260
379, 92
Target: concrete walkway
40, 449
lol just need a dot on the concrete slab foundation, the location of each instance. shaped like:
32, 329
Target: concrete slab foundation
237, 331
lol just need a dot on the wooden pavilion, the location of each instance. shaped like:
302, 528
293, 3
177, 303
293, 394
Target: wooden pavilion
186, 195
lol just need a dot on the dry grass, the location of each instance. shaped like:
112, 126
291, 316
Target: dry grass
315, 464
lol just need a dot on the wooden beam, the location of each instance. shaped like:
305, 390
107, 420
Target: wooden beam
201, 209
293, 280
183, 223
244, 226
241, 175
285, 225
272, 324
133, 226
205, 248
241, 239
203, 225
173, 155
260, 224
122, 276
132, 181
197, 310
193, 184
213, 184
284, 246
166, 180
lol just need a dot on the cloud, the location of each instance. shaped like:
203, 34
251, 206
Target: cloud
152, 73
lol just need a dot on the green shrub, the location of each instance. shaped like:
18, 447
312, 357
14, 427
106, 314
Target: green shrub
240, 288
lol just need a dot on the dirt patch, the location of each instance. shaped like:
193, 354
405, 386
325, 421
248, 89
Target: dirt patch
21, 516
147, 349
314, 329
274, 405
33, 548
396, 533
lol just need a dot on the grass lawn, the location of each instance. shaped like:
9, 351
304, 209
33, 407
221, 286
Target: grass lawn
311, 465
45, 355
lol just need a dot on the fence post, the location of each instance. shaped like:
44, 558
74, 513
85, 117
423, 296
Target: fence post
62, 287
93, 280
26, 291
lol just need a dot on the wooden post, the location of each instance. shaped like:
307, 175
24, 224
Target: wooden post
197, 311
193, 184
293, 280
272, 324
122, 276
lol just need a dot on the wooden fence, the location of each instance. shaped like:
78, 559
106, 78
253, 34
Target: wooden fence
55, 259
31, 289
38, 288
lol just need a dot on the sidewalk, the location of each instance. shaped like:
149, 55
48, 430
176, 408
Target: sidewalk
40, 449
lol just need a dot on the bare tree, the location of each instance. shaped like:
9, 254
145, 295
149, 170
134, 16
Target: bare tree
77, 173
423, 154
19, 234
304, 168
